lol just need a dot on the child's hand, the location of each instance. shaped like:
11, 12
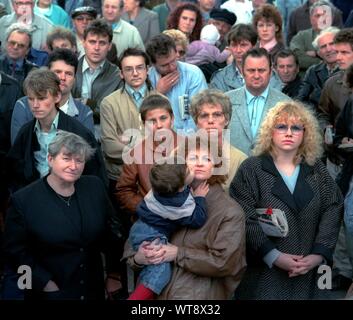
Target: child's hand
201, 190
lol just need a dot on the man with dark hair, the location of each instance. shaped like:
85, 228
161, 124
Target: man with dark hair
14, 62
287, 67
177, 80
96, 77
241, 39
63, 62
251, 102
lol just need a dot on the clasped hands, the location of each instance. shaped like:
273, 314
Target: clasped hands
297, 265
155, 252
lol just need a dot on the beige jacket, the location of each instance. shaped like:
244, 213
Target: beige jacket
118, 113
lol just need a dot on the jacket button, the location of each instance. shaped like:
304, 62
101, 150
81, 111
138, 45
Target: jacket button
82, 282
82, 297
81, 265
81, 249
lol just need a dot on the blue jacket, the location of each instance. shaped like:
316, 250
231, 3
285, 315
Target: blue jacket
165, 214
22, 114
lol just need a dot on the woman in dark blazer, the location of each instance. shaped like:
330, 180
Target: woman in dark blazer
287, 174
57, 228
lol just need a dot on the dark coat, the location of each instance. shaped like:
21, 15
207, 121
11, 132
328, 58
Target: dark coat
312, 84
106, 83
333, 98
10, 91
41, 234
344, 128
292, 88
300, 20
314, 212
19, 75
21, 162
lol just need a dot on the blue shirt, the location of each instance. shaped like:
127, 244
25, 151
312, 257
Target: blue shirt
137, 96
44, 138
255, 105
291, 181
88, 77
191, 81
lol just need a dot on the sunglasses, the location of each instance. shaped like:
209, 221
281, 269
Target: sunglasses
295, 128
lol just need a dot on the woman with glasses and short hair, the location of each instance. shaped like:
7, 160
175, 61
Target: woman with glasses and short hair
287, 176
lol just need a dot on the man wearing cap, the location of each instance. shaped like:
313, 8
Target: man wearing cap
23, 13
223, 20
81, 17
125, 35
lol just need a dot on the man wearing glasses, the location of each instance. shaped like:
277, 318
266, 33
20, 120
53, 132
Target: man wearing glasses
13, 62
23, 13
81, 17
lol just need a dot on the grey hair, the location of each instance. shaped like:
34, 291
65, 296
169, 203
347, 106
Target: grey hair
72, 143
320, 3
20, 28
333, 30
213, 97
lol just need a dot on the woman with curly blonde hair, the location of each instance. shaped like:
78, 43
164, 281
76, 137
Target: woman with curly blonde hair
287, 178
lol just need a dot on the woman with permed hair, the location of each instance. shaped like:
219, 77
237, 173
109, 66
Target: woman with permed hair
287, 178
268, 23
187, 18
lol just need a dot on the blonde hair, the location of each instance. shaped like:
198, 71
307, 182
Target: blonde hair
311, 147
178, 37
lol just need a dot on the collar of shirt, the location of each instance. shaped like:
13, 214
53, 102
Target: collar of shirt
85, 67
238, 74
19, 63
269, 45
0, 78
137, 96
54, 125
116, 26
65, 107
250, 97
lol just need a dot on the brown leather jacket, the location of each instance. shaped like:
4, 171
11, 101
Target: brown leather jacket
134, 183
210, 260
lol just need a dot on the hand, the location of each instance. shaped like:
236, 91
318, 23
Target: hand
149, 253
347, 140
306, 264
287, 262
50, 287
201, 190
165, 83
171, 252
230, 59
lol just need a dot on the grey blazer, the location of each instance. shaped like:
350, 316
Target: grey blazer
240, 129
146, 22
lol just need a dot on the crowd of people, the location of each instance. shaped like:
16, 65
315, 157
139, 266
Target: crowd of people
195, 149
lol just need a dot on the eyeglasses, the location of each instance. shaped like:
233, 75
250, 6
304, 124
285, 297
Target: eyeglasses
215, 115
131, 70
295, 128
14, 44
20, 3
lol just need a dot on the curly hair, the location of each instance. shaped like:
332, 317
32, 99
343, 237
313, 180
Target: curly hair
174, 17
311, 147
269, 13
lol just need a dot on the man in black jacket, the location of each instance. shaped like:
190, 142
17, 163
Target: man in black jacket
287, 67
